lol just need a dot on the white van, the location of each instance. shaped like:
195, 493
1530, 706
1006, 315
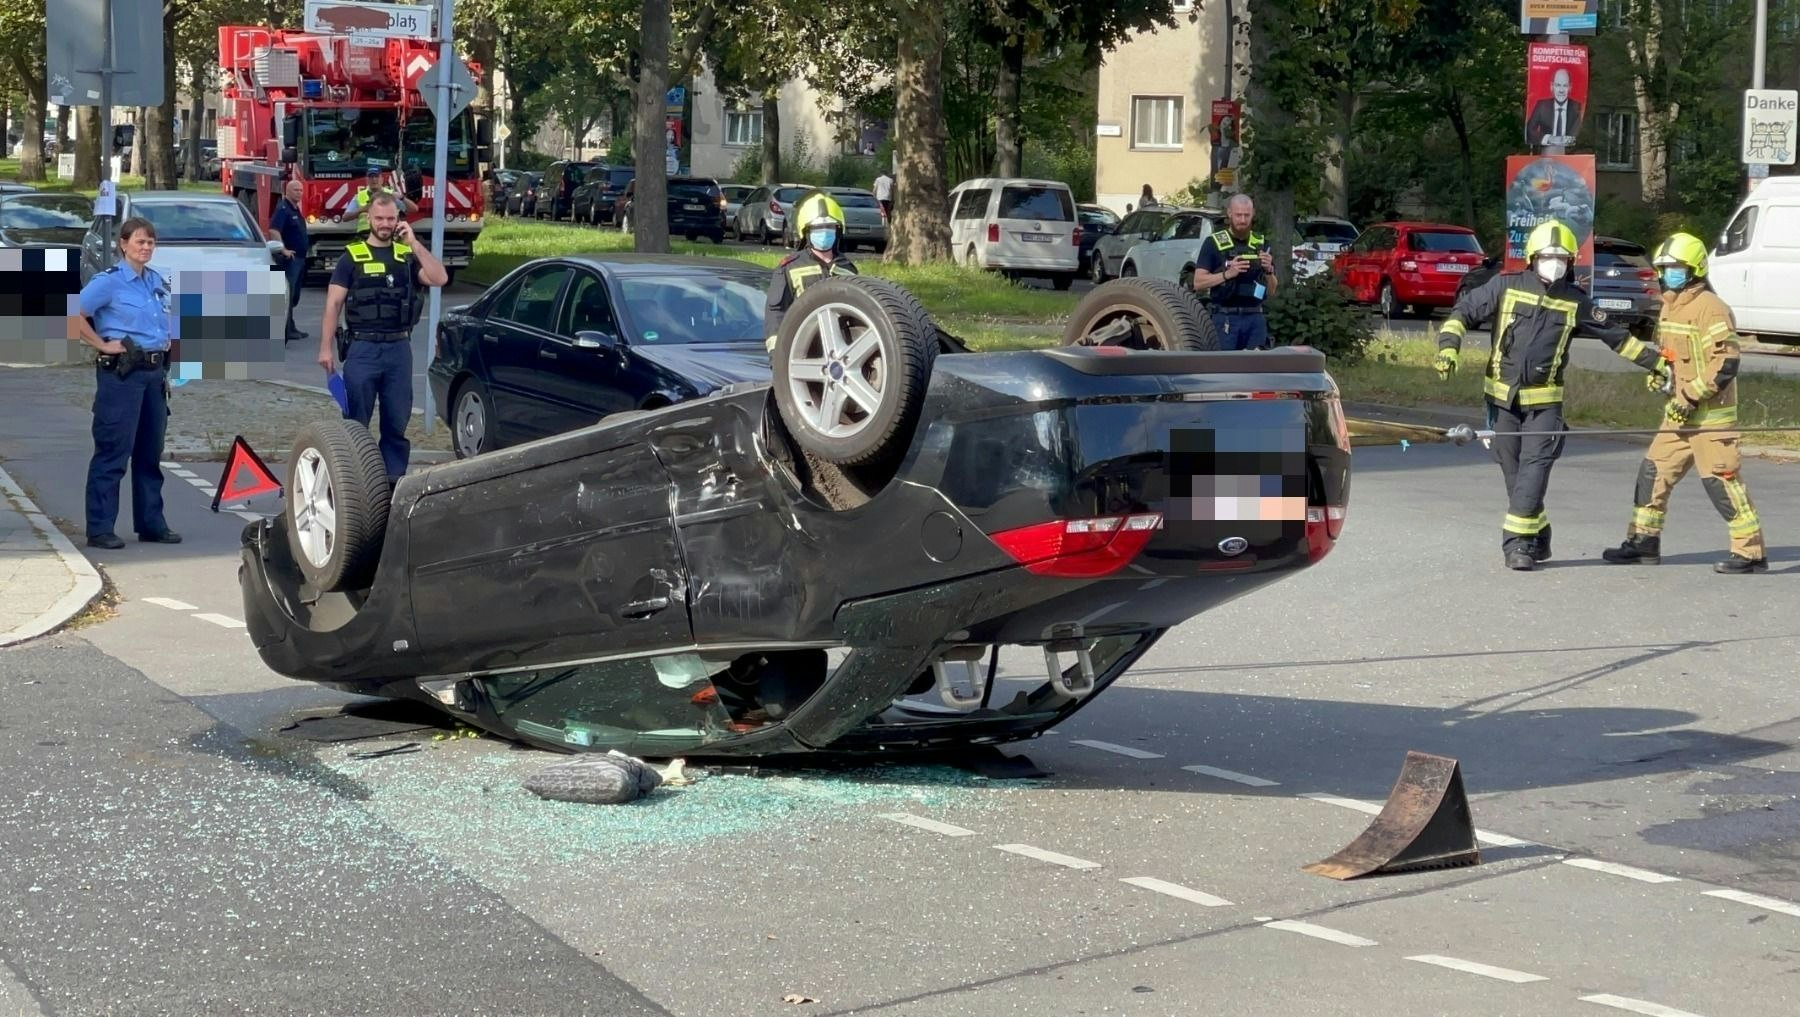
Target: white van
1756, 266
1024, 228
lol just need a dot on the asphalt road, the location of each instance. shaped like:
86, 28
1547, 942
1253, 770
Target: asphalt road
1626, 734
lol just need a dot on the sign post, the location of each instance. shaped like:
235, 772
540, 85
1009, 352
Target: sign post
451, 89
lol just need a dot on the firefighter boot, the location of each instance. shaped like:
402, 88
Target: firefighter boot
1522, 559
1738, 565
1637, 550
1540, 551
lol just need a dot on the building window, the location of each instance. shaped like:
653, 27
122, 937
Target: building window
1184, 6
1618, 141
1612, 13
743, 127
1155, 122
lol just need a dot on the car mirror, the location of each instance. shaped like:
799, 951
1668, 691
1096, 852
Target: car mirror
290, 154
595, 340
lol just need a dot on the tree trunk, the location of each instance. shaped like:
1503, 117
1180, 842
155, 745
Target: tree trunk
771, 135
157, 134
31, 148
1337, 150
87, 148
921, 226
135, 164
62, 129
1653, 118
650, 202
1453, 109
1007, 128
196, 124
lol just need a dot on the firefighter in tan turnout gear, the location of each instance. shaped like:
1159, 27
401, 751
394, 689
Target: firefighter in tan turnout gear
1700, 347
1536, 313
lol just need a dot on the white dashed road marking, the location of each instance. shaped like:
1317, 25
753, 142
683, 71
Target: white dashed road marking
1493, 839
1477, 968
221, 621
1643, 875
1757, 900
1343, 803
1052, 857
927, 824
1319, 932
1231, 775
1636, 1006
1122, 750
173, 605
1177, 891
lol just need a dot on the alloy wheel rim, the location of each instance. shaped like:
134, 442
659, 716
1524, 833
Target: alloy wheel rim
838, 373
315, 508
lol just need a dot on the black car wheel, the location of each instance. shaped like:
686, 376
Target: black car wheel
471, 415
1142, 314
1063, 282
337, 504
625, 222
1128, 271
851, 363
1390, 304
1097, 269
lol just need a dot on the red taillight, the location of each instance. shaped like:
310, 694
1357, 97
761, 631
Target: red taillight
993, 233
1079, 548
1647, 275
1075, 238
775, 208
1409, 265
1323, 524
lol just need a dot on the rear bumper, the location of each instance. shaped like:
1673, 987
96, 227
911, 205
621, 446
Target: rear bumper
1432, 289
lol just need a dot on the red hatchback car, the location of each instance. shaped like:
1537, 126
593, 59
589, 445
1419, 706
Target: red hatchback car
1402, 265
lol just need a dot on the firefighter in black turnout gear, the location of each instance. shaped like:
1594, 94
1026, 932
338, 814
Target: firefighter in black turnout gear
820, 222
1535, 313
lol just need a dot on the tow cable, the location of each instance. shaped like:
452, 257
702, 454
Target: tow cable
1462, 434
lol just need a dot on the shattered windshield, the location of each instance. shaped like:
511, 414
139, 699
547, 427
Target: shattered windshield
341, 140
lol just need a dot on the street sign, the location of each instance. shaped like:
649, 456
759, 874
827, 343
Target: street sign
368, 21
462, 85
675, 98
502, 132
1770, 117
75, 49
1559, 17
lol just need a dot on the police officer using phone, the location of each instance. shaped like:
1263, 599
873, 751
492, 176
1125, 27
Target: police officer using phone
374, 288
1236, 266
130, 306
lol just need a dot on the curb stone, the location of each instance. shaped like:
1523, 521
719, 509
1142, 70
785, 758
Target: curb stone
87, 580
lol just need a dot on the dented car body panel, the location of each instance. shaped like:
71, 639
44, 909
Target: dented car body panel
683, 581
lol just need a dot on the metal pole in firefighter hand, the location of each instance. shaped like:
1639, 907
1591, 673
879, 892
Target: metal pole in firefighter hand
441, 105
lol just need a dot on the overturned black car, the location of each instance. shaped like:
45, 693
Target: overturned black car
830, 561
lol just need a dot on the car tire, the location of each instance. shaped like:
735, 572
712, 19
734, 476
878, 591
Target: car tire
767, 238
625, 223
1128, 271
1097, 269
970, 258
336, 465
1389, 303
471, 417
817, 408
1163, 317
1063, 282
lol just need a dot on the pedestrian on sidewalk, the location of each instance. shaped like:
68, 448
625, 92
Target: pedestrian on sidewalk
131, 311
884, 195
373, 287
295, 243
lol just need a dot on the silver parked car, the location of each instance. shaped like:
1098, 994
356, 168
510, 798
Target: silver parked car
764, 212
1171, 255
863, 224
734, 200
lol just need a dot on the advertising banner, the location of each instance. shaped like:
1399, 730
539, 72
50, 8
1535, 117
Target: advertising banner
1559, 17
1556, 92
1540, 188
1226, 134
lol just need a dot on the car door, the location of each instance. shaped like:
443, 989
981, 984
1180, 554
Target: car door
1775, 270
751, 209
565, 557
588, 379
1154, 256
512, 342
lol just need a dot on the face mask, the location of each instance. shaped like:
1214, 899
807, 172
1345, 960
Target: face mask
823, 239
1674, 278
1552, 270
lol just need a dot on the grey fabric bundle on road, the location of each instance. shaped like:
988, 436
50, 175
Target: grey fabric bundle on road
612, 779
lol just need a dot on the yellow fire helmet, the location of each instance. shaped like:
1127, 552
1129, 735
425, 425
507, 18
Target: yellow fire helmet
1553, 238
1683, 249
818, 210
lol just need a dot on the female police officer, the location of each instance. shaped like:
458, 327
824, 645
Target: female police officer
130, 307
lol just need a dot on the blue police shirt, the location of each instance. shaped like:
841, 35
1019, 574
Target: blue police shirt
125, 304
288, 221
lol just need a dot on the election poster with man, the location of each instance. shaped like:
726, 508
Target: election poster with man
1556, 93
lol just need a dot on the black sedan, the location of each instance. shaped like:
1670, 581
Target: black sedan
829, 561
563, 342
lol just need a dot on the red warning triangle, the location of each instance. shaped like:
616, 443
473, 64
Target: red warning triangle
245, 476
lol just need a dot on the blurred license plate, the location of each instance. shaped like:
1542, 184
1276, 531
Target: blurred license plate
1036, 238
1615, 305
857, 229
695, 208
1445, 266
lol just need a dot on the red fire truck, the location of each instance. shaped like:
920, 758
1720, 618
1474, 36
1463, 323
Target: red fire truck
334, 114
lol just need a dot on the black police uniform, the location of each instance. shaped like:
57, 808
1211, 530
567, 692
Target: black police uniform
131, 401
375, 341
1237, 304
1523, 382
791, 277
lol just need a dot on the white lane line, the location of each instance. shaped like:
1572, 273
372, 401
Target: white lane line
1636, 1005
1178, 891
1757, 900
1477, 968
1643, 875
171, 466
1231, 775
196, 481
221, 621
173, 605
1123, 750
1493, 839
1066, 861
927, 824
1343, 803
250, 516
1319, 932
